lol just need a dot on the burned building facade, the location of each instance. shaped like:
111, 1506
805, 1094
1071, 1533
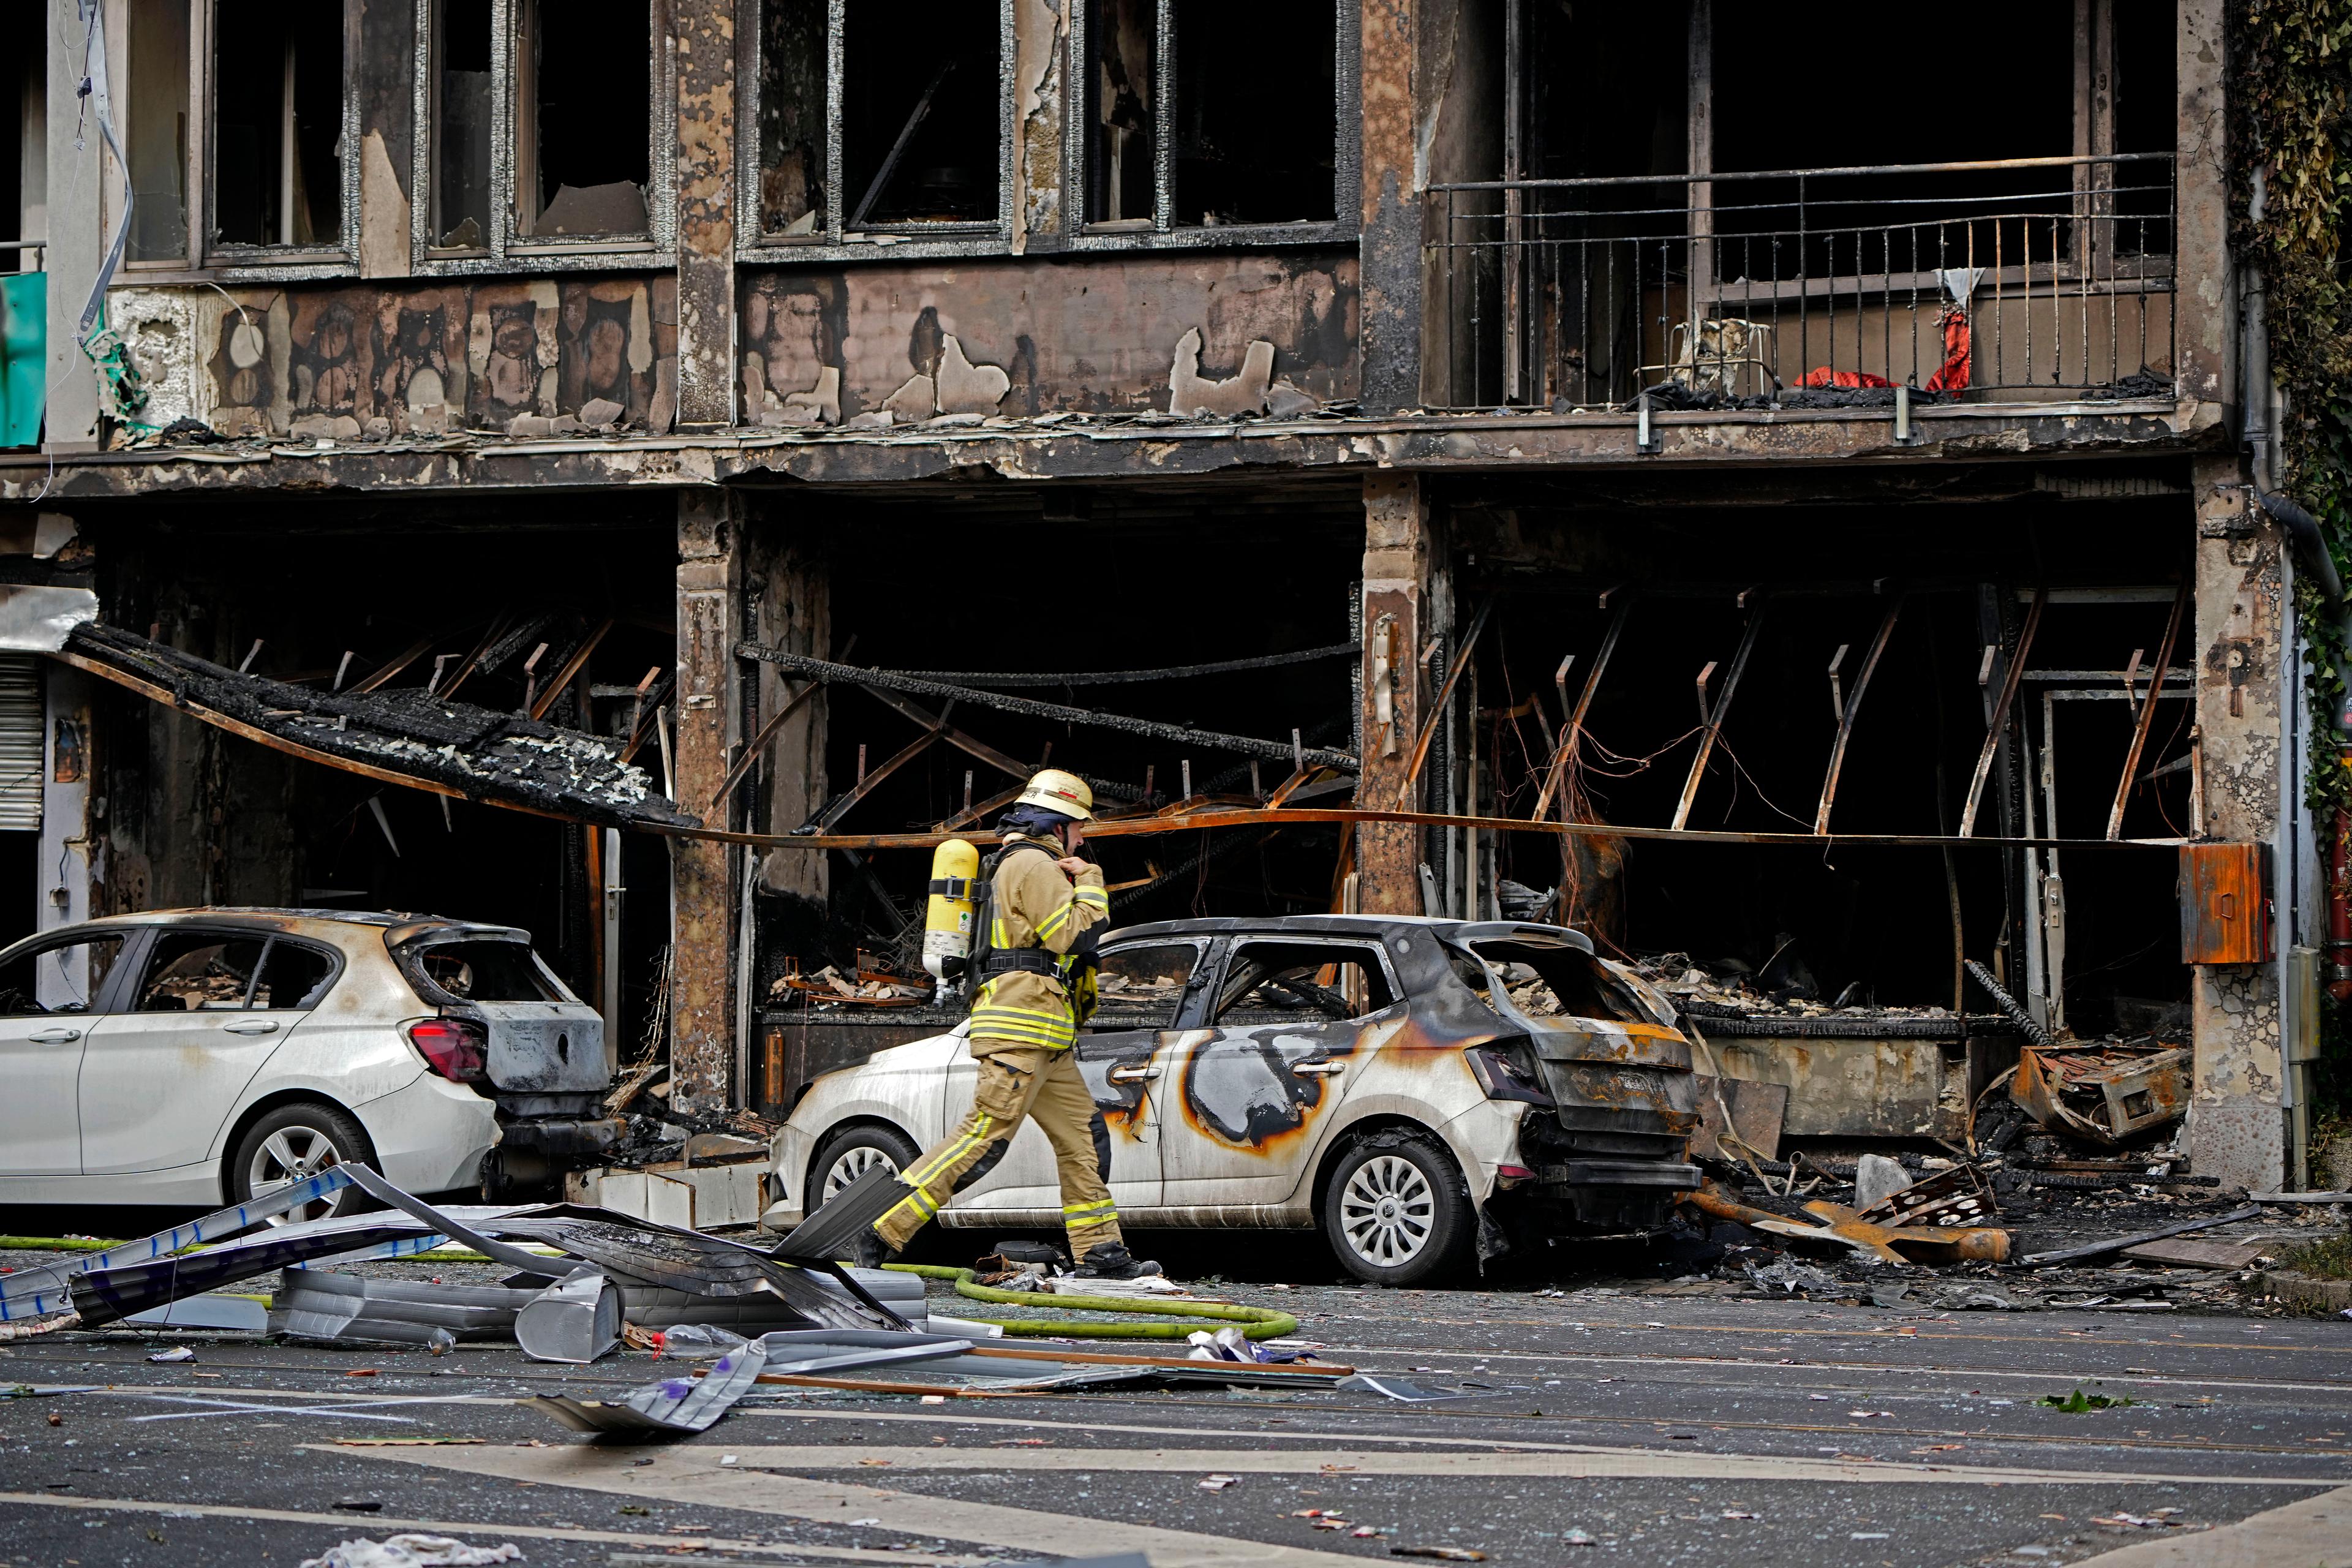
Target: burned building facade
1829, 530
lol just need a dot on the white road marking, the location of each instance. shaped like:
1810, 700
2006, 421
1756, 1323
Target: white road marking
375, 1521
1294, 1433
1588, 1464
2313, 1533
683, 1475
1357, 1356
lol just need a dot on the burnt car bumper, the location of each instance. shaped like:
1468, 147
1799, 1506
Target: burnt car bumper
560, 1140
1649, 1173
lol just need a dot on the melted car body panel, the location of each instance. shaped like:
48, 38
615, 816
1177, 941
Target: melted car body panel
1226, 1122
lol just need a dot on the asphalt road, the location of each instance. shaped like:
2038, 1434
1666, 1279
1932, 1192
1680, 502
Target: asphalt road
1610, 1428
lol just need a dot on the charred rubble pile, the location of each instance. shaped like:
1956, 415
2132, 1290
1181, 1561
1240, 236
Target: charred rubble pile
2062, 1181
1949, 1233
701, 1168
509, 758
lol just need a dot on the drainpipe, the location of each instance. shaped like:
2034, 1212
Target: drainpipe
2311, 548
2254, 370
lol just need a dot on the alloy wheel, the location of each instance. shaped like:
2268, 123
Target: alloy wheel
293, 1154
1386, 1210
854, 1162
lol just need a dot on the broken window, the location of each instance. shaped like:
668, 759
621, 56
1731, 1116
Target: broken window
59, 979
582, 117
793, 116
24, 172
1244, 135
486, 971
191, 972
1275, 983
278, 123
1123, 112
155, 128
1140, 988
922, 113
1553, 980
461, 124
1255, 124
292, 975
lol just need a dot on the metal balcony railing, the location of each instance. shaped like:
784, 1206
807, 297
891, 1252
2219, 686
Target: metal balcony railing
2019, 279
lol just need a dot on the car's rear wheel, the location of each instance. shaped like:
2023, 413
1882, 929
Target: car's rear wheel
1396, 1211
850, 1153
292, 1143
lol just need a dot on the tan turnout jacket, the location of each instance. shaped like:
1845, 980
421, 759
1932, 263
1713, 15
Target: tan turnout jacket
1035, 906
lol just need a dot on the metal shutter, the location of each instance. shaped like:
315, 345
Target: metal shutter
22, 759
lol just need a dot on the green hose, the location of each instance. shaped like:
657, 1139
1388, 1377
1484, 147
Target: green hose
1264, 1322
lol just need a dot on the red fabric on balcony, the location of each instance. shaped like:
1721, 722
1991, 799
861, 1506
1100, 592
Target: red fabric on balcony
1823, 375
1952, 375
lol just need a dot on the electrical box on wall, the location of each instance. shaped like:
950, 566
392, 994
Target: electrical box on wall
2225, 913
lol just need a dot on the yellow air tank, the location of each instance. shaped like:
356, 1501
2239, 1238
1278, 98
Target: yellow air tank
947, 926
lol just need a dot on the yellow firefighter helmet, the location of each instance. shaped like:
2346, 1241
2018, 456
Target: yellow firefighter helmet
1059, 792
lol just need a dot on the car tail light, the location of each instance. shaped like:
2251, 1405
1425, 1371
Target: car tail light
1512, 1175
454, 1047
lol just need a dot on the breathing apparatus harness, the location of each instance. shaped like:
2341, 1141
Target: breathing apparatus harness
1075, 970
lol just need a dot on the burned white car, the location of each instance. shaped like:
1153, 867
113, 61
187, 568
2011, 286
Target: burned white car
205, 1056
1407, 1086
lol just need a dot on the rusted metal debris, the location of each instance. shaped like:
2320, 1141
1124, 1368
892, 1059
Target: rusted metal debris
2119, 1242
2105, 1091
1842, 1227
1958, 1198
397, 735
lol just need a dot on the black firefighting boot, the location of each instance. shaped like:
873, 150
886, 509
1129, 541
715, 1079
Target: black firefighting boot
869, 1250
1111, 1260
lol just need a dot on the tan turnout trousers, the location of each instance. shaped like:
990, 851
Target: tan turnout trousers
1017, 1081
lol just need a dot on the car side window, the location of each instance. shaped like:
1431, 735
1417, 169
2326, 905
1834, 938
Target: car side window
61, 979
1140, 988
1277, 982
292, 975
195, 970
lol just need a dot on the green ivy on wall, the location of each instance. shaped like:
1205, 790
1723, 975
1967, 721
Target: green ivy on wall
2291, 119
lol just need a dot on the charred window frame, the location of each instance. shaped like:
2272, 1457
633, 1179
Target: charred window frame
537, 108
828, 92
157, 111
1141, 165
282, 131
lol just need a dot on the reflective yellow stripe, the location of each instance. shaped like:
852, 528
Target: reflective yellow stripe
1053, 923
929, 1169
984, 1019
1093, 897
1081, 1211
919, 1205
1024, 1034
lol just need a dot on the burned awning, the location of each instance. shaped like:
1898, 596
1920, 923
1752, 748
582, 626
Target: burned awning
402, 736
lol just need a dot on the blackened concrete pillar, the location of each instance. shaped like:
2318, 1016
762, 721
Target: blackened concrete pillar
704, 875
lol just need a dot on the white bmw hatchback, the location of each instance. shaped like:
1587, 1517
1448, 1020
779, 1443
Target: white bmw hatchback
207, 1055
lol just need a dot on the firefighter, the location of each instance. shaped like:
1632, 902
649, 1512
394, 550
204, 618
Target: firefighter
1035, 976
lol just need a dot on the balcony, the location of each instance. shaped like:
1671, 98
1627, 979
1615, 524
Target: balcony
2029, 279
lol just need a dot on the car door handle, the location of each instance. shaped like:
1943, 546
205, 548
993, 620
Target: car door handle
251, 1027
55, 1036
1317, 1070
1133, 1075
